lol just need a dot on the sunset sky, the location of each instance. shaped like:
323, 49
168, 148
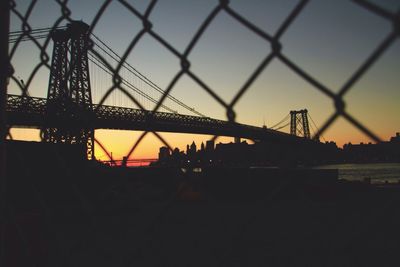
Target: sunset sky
329, 40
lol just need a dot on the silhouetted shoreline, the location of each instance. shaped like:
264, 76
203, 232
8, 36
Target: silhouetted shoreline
73, 209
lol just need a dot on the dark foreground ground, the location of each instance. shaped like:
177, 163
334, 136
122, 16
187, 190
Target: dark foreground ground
78, 214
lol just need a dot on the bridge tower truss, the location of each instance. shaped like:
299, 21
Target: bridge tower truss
58, 86
299, 123
69, 93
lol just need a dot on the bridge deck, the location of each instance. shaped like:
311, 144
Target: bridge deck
32, 112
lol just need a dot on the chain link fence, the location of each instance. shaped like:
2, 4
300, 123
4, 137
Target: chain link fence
272, 40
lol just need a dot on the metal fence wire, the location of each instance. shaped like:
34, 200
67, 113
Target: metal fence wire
272, 40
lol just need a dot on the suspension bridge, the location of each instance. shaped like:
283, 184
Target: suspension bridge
68, 114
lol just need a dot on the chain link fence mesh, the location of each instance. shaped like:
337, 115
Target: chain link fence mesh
272, 40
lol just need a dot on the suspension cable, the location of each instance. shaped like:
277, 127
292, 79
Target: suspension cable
32, 34
277, 129
43, 33
39, 30
104, 67
27, 38
316, 128
280, 122
142, 77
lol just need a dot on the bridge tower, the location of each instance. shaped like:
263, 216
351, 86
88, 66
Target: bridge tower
299, 123
69, 93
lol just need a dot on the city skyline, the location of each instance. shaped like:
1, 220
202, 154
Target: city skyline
328, 48
261, 154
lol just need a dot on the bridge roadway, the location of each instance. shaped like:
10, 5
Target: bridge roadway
25, 111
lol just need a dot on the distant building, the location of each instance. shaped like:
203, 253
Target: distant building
276, 154
163, 154
210, 144
388, 151
192, 150
234, 153
396, 138
202, 148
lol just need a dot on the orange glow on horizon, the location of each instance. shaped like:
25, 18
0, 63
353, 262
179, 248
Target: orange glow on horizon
119, 143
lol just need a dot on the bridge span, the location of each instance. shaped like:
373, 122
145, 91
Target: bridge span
26, 111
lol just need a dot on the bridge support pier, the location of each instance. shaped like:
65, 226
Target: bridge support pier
69, 93
299, 123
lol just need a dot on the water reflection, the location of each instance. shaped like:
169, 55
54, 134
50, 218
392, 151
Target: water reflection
375, 172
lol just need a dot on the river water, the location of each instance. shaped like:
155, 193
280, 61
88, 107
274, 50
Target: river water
376, 172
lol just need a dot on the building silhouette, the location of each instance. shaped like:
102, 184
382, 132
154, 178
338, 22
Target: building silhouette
386, 151
267, 154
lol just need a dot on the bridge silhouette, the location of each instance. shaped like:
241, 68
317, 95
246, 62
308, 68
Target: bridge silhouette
68, 115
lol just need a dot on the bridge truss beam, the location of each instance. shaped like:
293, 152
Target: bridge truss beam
31, 112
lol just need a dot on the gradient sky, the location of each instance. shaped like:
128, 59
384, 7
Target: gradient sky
329, 40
